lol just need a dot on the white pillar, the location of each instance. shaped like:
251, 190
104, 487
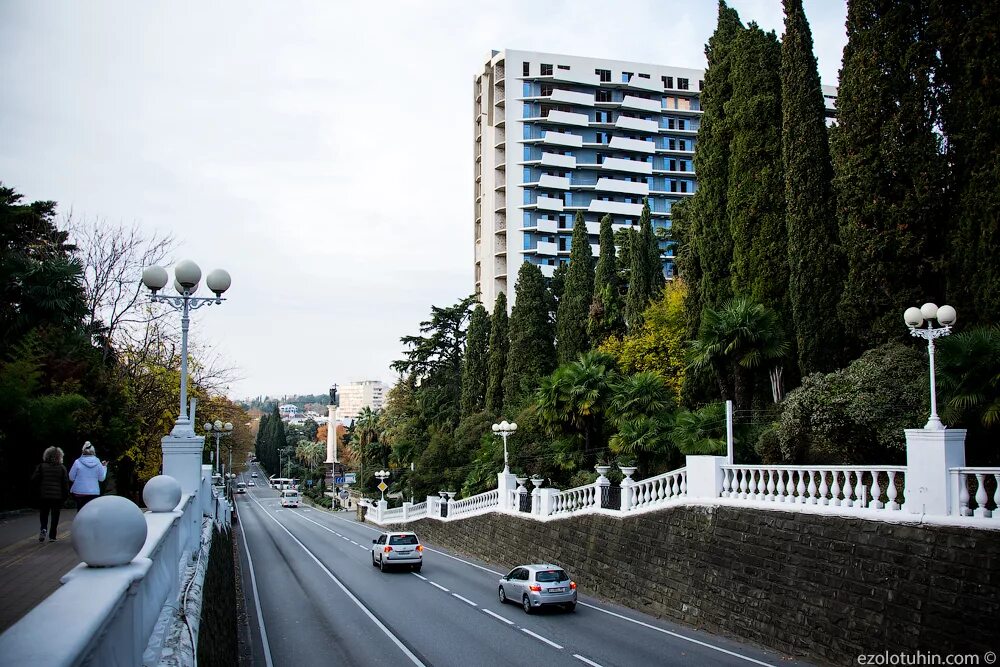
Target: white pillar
182, 460
506, 484
331, 436
704, 476
548, 495
929, 456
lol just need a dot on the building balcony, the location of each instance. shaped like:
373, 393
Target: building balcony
622, 143
557, 182
630, 166
562, 139
648, 85
571, 97
641, 104
550, 226
547, 270
556, 160
614, 207
623, 187
637, 124
581, 77
684, 133
568, 118
549, 203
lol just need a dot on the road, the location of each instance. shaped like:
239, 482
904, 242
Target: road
313, 597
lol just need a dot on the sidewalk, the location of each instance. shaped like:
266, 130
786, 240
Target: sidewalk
30, 570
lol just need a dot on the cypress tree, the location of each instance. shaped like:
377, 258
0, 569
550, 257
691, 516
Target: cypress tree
606, 316
687, 262
475, 363
755, 200
640, 274
710, 228
574, 306
498, 345
654, 263
887, 170
814, 258
968, 81
532, 352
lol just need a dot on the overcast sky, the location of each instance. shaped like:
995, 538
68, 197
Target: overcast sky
319, 151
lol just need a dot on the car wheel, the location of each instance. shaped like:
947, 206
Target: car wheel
571, 607
416, 568
503, 596
381, 564
526, 604
374, 564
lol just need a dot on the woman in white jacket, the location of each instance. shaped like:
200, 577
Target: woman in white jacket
87, 474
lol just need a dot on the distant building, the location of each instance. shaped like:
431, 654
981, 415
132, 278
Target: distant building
287, 411
358, 395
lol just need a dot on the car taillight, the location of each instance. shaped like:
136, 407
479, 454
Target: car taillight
536, 589
420, 547
387, 549
572, 585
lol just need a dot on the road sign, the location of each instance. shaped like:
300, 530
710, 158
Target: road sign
382, 486
345, 495
338, 480
350, 478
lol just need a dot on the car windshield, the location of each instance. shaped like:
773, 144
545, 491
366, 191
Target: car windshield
289, 494
403, 539
551, 575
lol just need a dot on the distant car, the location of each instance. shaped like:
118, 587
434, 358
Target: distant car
537, 585
253, 474
289, 498
397, 549
241, 487
251, 483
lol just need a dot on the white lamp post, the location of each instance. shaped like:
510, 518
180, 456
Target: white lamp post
382, 476
945, 316
187, 275
504, 429
219, 430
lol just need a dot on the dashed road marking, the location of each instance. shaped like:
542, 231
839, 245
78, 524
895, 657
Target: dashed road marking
439, 586
497, 616
541, 638
418, 576
465, 600
589, 662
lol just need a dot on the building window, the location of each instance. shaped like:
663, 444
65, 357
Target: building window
599, 159
526, 69
605, 74
672, 144
684, 186
643, 76
562, 243
668, 81
546, 70
682, 84
603, 96
546, 89
565, 67
670, 124
626, 77
672, 165
684, 165
673, 185
701, 84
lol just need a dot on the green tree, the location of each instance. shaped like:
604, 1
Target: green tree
499, 343
574, 306
641, 410
887, 169
476, 362
606, 317
710, 237
701, 431
755, 201
970, 376
532, 353
814, 257
640, 272
735, 341
624, 240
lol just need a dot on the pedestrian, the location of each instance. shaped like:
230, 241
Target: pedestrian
52, 482
87, 474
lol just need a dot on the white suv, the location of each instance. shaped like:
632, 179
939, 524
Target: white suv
390, 549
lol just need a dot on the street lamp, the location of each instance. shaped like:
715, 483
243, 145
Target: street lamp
219, 430
382, 476
187, 275
945, 316
504, 429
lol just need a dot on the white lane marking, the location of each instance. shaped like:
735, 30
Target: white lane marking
363, 547
439, 586
388, 633
465, 600
345, 538
355, 543
541, 638
480, 567
589, 662
497, 616
678, 636
256, 601
418, 576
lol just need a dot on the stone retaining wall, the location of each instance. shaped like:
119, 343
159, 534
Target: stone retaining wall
825, 588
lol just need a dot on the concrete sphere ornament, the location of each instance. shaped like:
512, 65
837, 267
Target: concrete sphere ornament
109, 531
161, 493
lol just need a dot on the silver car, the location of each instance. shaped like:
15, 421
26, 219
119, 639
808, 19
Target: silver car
402, 549
536, 585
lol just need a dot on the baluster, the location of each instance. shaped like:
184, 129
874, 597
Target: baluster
812, 486
859, 491
770, 485
981, 497
963, 495
725, 483
684, 484
781, 487
876, 502
800, 488
848, 490
890, 491
996, 496
743, 483
760, 485
835, 489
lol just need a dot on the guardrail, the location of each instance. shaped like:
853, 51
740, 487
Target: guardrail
972, 498
655, 491
861, 487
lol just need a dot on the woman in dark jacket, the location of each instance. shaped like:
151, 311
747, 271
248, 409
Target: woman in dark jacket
52, 482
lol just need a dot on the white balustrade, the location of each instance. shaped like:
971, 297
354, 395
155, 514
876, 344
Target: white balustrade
482, 501
653, 491
572, 500
860, 487
418, 511
976, 492
394, 515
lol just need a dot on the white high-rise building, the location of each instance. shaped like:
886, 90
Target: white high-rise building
357, 395
556, 135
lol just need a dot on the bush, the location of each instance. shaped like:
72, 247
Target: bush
855, 415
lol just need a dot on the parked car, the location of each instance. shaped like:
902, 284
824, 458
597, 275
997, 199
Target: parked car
290, 498
538, 585
397, 549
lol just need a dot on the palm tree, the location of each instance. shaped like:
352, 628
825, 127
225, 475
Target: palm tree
571, 402
736, 340
970, 375
641, 409
702, 431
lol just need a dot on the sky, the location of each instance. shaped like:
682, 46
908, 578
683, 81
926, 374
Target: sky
320, 151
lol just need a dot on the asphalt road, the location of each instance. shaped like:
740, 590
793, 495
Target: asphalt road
313, 597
